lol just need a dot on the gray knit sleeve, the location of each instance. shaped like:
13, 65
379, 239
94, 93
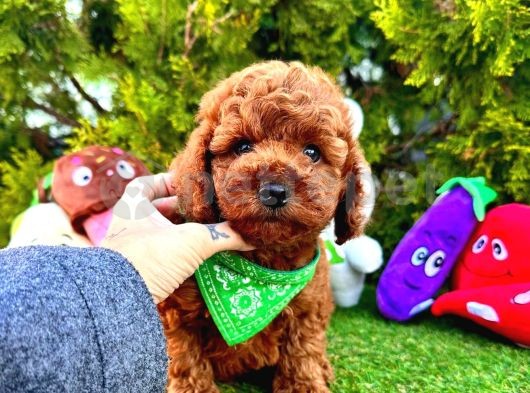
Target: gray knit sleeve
77, 320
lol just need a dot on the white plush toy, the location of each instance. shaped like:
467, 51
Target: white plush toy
350, 263
354, 259
45, 224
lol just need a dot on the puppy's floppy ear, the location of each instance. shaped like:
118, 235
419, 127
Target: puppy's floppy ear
357, 198
192, 180
350, 215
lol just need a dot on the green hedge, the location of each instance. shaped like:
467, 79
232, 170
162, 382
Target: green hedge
444, 84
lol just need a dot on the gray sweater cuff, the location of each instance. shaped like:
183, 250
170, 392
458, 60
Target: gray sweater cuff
125, 317
78, 320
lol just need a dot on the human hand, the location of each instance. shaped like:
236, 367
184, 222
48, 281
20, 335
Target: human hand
164, 254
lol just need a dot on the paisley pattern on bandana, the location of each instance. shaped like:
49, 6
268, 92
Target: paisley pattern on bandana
244, 297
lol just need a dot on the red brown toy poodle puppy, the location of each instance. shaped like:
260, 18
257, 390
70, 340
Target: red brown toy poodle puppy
274, 155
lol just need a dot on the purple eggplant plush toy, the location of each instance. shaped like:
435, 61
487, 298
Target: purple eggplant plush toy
426, 255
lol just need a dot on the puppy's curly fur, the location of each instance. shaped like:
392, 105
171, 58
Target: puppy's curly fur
277, 109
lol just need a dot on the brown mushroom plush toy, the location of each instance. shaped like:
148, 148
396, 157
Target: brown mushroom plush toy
88, 183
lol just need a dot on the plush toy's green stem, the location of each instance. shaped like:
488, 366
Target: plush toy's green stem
476, 187
46, 185
332, 248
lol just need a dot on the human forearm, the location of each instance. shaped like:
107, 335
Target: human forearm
76, 320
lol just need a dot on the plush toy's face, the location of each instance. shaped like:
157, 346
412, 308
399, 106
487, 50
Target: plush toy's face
408, 287
498, 252
92, 180
424, 258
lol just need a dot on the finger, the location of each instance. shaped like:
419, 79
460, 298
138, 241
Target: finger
167, 206
137, 200
151, 187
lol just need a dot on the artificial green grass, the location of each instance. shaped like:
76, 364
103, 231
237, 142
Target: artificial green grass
447, 354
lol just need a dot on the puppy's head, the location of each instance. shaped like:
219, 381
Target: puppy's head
274, 155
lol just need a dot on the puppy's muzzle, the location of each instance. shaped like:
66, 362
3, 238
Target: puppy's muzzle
273, 195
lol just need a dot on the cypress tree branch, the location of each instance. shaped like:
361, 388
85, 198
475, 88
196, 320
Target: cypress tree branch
442, 129
189, 38
52, 112
87, 96
163, 24
95, 104
43, 142
222, 19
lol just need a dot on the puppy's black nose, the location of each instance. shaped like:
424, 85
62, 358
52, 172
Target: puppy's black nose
273, 195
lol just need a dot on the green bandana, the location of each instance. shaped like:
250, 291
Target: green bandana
243, 297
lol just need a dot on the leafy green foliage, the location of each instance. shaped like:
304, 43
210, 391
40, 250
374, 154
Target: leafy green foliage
468, 64
444, 84
18, 180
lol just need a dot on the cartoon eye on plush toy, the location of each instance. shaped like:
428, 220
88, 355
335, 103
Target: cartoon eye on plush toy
88, 183
492, 277
498, 250
425, 256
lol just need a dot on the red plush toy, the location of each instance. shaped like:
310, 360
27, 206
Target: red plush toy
498, 251
504, 309
492, 278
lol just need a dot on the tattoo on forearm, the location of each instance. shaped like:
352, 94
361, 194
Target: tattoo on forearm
113, 235
214, 233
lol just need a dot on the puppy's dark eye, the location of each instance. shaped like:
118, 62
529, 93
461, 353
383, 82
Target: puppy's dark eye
312, 152
242, 147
